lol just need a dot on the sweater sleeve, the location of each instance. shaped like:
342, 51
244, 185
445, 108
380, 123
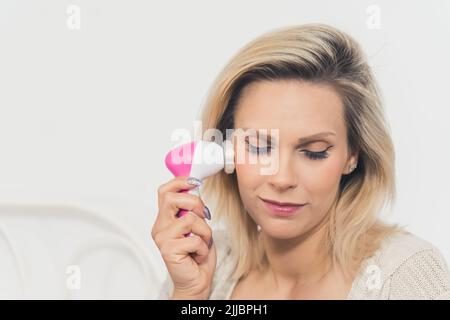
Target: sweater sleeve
166, 289
424, 275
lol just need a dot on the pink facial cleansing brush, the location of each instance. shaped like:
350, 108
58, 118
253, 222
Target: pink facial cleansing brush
199, 159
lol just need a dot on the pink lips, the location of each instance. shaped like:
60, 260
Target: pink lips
282, 209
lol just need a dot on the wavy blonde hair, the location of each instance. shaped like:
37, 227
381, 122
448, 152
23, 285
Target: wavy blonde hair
315, 53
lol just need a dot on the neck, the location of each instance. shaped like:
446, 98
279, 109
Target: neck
302, 260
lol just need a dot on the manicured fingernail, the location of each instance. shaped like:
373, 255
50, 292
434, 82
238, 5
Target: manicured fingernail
207, 213
210, 243
194, 181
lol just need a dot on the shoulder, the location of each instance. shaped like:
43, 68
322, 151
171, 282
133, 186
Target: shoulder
416, 268
403, 249
408, 267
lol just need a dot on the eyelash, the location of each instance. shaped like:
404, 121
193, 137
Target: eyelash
319, 155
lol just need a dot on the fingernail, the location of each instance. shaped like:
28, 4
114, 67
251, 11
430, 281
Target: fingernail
207, 213
194, 181
210, 243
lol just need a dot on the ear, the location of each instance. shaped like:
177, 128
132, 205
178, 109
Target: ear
351, 164
228, 150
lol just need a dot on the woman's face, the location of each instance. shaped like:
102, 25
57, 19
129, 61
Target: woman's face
297, 110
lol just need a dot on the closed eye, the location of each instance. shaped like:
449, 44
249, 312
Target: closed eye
313, 155
317, 155
258, 150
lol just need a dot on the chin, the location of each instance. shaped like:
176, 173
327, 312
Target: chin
282, 231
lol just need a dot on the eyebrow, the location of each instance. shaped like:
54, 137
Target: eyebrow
305, 140
315, 138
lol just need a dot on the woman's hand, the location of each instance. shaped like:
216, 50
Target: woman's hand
190, 261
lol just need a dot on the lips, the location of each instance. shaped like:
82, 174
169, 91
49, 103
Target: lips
283, 204
282, 209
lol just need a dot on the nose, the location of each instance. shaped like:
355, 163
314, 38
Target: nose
285, 177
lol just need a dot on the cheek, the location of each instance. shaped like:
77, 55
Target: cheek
249, 180
323, 178
248, 175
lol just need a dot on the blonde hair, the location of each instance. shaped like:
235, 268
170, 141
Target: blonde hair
320, 54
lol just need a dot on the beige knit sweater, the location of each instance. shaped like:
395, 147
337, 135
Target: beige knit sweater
404, 267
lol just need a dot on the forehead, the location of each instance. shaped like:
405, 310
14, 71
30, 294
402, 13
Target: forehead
290, 105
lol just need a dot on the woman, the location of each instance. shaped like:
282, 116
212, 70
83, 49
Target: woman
310, 229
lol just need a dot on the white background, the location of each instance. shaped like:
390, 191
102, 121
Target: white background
86, 115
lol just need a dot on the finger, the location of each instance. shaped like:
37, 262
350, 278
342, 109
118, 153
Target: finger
189, 223
193, 246
178, 184
174, 202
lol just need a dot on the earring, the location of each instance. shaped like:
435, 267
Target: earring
228, 150
353, 167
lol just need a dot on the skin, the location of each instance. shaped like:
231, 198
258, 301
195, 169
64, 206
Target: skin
299, 267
